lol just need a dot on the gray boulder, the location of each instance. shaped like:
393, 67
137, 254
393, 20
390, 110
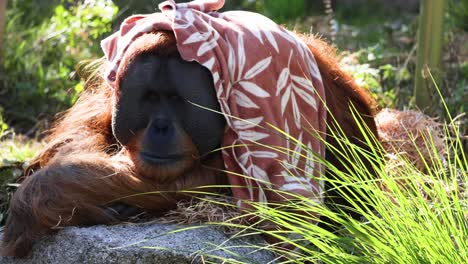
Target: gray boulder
142, 244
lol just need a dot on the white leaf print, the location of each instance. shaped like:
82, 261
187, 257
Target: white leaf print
321, 185
282, 80
271, 39
189, 19
295, 187
287, 164
294, 171
197, 37
147, 27
297, 152
310, 163
296, 112
313, 68
247, 123
254, 89
209, 64
260, 174
310, 58
304, 83
252, 135
215, 77
220, 90
205, 47
244, 158
286, 35
264, 154
249, 186
262, 197
285, 99
240, 55
257, 68
288, 178
255, 31
208, 45
286, 129
243, 100
309, 99
178, 16
303, 50
231, 61
226, 110
228, 91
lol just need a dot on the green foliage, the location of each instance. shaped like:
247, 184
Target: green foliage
457, 100
39, 59
33, 12
464, 70
282, 11
363, 13
383, 81
458, 13
16, 152
3, 125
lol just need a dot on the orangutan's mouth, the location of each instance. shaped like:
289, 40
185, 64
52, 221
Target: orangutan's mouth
158, 160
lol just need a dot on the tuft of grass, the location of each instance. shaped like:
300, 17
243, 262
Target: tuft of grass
409, 214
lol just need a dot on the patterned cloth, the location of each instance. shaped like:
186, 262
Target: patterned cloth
266, 80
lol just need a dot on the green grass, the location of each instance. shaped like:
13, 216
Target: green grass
416, 217
409, 216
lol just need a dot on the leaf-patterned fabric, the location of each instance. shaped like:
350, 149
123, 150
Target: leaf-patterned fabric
267, 81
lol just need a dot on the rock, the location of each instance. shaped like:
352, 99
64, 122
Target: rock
142, 244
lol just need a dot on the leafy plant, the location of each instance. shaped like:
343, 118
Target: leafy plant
382, 82
3, 125
282, 11
459, 13
39, 60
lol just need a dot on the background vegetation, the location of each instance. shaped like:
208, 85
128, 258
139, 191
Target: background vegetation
45, 41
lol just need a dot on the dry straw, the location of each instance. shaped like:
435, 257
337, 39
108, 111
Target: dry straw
410, 134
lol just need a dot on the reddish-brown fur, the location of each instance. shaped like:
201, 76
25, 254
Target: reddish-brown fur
83, 168
342, 94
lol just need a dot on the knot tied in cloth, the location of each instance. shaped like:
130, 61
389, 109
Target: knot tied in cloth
268, 86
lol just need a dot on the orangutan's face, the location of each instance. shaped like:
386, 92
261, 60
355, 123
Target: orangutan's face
156, 114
